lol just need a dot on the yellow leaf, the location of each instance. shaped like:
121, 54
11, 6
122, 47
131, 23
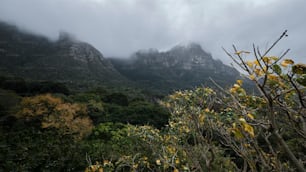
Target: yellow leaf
250, 116
258, 72
274, 58
256, 62
242, 120
273, 77
171, 150
247, 145
249, 129
239, 82
249, 63
177, 161
185, 168
158, 162
240, 52
287, 62
105, 162
201, 118
252, 77
233, 90
237, 133
175, 170
135, 166
267, 60
236, 86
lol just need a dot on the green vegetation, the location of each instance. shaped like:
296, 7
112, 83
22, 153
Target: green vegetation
55, 132
228, 131
124, 129
28, 88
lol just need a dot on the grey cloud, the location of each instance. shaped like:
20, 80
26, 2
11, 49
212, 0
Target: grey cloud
120, 27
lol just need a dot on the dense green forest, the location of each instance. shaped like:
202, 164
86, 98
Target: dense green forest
47, 126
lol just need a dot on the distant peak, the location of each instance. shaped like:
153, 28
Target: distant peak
187, 45
145, 53
66, 37
192, 47
148, 51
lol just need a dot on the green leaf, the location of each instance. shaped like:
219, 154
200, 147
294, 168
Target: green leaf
237, 133
299, 69
302, 80
277, 69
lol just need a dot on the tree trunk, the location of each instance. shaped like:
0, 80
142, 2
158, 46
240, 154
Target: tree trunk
292, 157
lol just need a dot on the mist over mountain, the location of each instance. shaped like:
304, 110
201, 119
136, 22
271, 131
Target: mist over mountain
68, 60
65, 60
182, 67
152, 85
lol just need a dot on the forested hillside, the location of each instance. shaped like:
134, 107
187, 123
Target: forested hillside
65, 60
68, 108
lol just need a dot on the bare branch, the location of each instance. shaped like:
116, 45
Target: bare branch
281, 37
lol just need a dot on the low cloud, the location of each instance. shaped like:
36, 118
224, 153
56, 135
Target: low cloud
119, 28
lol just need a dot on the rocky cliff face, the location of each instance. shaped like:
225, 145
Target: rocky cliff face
66, 60
187, 57
183, 66
84, 58
70, 61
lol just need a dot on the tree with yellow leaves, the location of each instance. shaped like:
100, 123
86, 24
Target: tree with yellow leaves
231, 130
265, 131
53, 112
280, 107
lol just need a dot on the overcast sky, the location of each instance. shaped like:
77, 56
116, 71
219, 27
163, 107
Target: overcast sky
121, 27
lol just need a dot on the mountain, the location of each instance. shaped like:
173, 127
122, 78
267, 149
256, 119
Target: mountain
65, 60
80, 65
182, 67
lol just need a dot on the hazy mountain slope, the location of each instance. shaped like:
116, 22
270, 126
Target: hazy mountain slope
66, 60
179, 68
81, 65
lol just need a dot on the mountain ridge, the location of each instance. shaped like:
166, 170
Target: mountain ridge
181, 67
65, 60
77, 63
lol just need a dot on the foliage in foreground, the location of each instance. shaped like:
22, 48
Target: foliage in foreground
44, 136
54, 132
208, 130
228, 131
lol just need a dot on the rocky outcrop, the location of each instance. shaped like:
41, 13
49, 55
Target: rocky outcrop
183, 66
66, 60
71, 61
